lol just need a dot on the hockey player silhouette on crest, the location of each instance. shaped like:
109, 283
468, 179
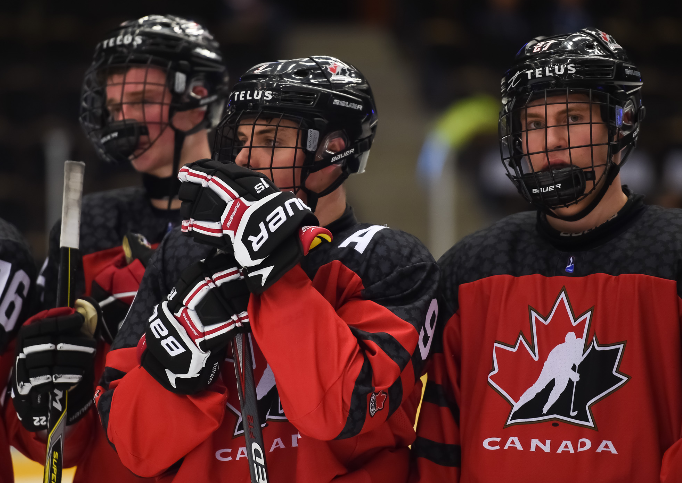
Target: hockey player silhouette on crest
557, 367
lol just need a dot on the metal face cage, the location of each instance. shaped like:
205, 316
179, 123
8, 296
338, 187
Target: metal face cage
127, 104
275, 144
558, 145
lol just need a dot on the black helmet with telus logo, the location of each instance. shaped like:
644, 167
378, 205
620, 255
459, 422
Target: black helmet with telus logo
188, 56
323, 97
588, 66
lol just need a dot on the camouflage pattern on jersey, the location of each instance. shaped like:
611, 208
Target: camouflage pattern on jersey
105, 218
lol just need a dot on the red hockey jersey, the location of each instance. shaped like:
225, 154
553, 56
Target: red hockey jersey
106, 218
561, 360
339, 345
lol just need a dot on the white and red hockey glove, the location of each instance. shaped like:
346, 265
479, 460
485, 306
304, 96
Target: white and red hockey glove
186, 337
241, 210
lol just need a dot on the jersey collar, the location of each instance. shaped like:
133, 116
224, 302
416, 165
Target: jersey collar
344, 222
608, 230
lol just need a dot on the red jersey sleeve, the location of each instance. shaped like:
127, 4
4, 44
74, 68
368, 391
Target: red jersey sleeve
347, 342
151, 428
134, 427
436, 453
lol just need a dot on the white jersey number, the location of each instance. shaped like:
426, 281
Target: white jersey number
428, 329
14, 297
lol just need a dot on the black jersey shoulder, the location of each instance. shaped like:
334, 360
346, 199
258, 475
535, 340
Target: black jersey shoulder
176, 252
506, 247
108, 215
17, 280
9, 233
375, 253
15, 250
649, 244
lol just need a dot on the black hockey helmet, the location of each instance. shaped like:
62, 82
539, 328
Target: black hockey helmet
586, 67
321, 98
187, 56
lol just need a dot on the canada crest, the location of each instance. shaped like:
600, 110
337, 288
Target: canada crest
558, 372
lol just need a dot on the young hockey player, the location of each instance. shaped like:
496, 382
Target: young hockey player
155, 87
17, 297
560, 360
339, 336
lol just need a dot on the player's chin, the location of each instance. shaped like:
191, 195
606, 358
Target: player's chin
147, 162
574, 209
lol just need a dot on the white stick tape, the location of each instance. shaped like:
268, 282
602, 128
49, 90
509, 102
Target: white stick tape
71, 203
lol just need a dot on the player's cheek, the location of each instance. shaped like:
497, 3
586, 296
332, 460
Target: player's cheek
156, 114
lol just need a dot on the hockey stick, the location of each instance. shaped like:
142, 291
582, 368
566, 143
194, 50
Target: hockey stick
573, 413
68, 246
246, 389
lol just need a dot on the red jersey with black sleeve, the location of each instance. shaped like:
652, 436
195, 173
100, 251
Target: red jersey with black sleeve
561, 360
105, 218
17, 303
339, 344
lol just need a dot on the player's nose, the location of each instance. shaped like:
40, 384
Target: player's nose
243, 156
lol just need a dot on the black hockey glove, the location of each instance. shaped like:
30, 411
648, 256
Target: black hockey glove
186, 337
55, 350
241, 210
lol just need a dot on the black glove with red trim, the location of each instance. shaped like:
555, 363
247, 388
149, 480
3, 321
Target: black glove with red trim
241, 210
55, 350
186, 337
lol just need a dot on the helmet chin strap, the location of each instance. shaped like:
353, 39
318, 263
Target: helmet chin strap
177, 151
611, 174
314, 197
178, 142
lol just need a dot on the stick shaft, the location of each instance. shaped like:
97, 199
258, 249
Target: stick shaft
66, 277
69, 242
249, 406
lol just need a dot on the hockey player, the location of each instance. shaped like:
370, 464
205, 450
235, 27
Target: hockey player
339, 336
155, 87
586, 289
17, 302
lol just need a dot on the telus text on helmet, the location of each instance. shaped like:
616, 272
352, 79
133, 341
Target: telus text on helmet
126, 39
547, 71
251, 95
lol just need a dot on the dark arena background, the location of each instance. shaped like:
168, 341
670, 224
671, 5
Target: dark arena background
434, 66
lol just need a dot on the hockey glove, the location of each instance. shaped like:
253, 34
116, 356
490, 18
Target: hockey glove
116, 285
55, 349
186, 337
228, 206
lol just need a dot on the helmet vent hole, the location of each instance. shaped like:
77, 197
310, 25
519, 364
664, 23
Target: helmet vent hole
301, 73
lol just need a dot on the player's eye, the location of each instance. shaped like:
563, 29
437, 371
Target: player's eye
574, 118
114, 110
532, 125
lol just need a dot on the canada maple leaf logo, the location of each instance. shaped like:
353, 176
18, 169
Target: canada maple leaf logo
559, 375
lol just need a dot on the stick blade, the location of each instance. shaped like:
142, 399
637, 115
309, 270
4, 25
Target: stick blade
74, 172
